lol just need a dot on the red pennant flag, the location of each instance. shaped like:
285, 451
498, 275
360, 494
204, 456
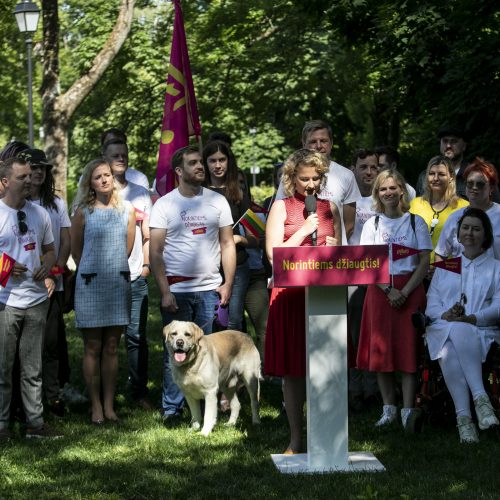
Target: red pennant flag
401, 252
180, 114
6, 267
172, 280
453, 265
56, 270
140, 215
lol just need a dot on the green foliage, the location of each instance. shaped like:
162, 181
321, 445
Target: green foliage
378, 71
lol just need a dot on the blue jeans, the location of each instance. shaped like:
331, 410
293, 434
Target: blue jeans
199, 308
135, 339
25, 326
238, 294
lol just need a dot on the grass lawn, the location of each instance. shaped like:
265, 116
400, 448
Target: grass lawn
141, 459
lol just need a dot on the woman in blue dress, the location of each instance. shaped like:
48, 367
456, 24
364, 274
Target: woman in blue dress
102, 236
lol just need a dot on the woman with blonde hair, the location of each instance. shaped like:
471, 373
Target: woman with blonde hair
388, 342
102, 237
440, 198
290, 225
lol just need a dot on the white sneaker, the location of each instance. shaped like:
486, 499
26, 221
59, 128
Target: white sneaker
389, 415
467, 430
411, 419
485, 413
72, 395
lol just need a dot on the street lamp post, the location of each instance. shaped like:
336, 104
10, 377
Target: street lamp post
27, 14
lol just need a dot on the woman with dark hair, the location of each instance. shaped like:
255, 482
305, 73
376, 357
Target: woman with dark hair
440, 198
55, 349
221, 176
481, 181
464, 310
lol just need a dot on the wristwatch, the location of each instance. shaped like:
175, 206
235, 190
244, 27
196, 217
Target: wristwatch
387, 289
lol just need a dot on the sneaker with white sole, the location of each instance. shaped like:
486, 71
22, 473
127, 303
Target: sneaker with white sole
411, 419
467, 430
389, 415
485, 413
42, 432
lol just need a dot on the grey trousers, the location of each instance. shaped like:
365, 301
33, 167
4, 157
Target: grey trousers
26, 327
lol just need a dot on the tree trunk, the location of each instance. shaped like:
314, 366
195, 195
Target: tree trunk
57, 109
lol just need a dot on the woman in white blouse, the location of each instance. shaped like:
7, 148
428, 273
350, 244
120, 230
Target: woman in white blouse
465, 310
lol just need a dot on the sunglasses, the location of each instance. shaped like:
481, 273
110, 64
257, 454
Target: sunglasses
479, 184
21, 217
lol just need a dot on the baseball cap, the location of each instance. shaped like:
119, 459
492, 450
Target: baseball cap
35, 157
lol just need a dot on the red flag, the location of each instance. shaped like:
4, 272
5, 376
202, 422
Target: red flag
180, 114
172, 280
6, 267
401, 252
454, 265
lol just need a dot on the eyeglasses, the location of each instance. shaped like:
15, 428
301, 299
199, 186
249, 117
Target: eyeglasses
479, 184
21, 217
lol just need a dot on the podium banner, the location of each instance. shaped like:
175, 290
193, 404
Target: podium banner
330, 266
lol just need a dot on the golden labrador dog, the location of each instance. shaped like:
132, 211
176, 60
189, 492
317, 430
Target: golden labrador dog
202, 365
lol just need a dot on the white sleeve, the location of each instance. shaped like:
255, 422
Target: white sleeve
368, 233
159, 213
351, 191
226, 219
424, 241
63, 213
444, 246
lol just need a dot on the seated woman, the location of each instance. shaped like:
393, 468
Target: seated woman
289, 225
465, 310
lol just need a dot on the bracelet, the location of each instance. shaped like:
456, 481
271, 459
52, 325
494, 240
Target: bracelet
147, 265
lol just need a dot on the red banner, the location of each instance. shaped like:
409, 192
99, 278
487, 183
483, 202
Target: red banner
6, 267
330, 266
401, 252
180, 114
453, 265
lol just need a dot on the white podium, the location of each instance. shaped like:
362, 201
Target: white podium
326, 349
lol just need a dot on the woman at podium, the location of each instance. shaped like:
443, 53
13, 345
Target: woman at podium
388, 342
297, 220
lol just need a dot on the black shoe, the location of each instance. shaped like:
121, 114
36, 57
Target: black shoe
56, 407
172, 419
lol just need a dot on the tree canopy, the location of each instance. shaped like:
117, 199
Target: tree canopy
380, 71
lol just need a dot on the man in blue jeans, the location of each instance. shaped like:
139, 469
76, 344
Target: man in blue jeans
191, 234
115, 153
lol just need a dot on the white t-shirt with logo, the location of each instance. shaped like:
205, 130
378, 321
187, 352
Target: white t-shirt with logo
137, 177
58, 218
398, 231
364, 211
141, 201
192, 247
22, 291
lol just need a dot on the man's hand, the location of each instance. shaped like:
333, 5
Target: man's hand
224, 292
18, 269
40, 273
169, 303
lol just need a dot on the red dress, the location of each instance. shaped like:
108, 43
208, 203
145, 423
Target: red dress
285, 346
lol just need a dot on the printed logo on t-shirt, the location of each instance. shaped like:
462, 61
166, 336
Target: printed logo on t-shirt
30, 246
195, 222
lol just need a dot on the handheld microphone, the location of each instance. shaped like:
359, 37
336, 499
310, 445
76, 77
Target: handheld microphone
311, 205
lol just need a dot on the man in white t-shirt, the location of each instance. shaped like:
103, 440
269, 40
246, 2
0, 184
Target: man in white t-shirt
388, 159
131, 174
26, 236
191, 234
341, 187
363, 387
115, 152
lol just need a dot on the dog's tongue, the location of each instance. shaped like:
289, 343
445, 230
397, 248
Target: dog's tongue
180, 357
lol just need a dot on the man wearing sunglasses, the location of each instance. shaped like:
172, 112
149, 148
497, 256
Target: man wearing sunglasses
26, 236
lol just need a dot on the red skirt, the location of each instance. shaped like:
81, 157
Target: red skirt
388, 341
285, 346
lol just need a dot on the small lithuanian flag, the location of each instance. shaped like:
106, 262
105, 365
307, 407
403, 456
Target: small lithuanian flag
251, 221
6, 267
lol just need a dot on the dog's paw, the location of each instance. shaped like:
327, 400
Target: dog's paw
195, 427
